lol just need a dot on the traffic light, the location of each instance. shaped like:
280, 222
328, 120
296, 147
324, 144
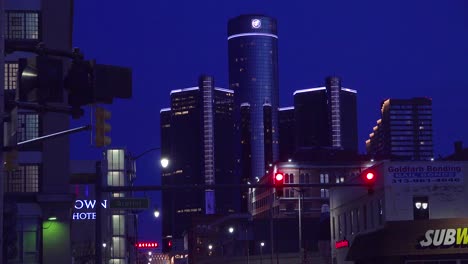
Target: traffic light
40, 79
167, 245
88, 83
10, 159
102, 127
278, 181
78, 83
369, 180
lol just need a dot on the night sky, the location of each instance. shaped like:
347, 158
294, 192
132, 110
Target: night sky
382, 49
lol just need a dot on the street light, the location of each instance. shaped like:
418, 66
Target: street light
262, 244
156, 213
231, 229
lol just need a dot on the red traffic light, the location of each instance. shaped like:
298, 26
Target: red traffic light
370, 176
279, 176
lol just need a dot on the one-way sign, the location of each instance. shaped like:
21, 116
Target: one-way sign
129, 203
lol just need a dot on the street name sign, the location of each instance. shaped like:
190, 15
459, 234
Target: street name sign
129, 203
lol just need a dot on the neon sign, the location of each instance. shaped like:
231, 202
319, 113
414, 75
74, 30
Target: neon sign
86, 205
147, 245
341, 244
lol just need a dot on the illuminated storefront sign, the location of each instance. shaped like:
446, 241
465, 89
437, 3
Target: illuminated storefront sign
86, 205
341, 244
423, 173
445, 237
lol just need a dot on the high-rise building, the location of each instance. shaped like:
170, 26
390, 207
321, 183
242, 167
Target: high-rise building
197, 136
36, 191
287, 133
404, 132
253, 75
327, 116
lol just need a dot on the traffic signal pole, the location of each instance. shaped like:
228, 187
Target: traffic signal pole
146, 188
2, 118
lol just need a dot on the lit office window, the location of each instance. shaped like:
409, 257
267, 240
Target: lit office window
22, 25
11, 73
324, 193
324, 178
28, 126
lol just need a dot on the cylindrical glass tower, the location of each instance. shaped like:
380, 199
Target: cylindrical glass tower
253, 75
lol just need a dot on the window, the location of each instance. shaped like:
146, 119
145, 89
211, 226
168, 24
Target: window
380, 211
22, 25
420, 207
24, 179
324, 178
324, 193
11, 73
28, 126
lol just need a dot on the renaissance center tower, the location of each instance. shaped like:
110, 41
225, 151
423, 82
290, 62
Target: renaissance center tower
253, 75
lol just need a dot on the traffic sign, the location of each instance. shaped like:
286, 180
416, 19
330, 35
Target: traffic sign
129, 203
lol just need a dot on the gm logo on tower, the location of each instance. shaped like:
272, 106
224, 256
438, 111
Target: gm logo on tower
445, 237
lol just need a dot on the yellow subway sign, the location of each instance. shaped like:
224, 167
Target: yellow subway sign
445, 237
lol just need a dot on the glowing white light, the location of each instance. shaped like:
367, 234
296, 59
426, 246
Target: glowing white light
418, 205
252, 34
231, 229
262, 244
309, 90
286, 108
184, 90
256, 23
348, 90
164, 162
210, 247
424, 206
224, 90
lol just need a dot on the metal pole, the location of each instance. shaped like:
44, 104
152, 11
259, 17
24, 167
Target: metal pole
98, 233
272, 199
2, 89
300, 224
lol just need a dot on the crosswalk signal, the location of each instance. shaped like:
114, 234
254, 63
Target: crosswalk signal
278, 181
102, 127
10, 160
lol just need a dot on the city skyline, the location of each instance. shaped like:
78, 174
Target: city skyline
393, 50
368, 100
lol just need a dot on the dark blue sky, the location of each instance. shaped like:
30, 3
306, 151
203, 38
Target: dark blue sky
390, 49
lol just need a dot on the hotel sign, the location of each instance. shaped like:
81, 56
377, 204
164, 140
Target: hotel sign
88, 207
425, 173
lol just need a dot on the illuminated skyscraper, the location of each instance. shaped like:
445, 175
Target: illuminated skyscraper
197, 136
404, 132
253, 75
326, 116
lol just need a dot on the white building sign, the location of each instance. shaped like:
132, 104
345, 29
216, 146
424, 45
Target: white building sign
88, 206
425, 173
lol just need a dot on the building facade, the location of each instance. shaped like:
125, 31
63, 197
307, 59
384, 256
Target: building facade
327, 116
404, 132
253, 75
36, 191
416, 214
197, 135
118, 228
287, 133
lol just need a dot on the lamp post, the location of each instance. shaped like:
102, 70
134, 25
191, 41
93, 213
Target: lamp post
262, 244
164, 164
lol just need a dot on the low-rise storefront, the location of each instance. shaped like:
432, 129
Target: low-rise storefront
434, 241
